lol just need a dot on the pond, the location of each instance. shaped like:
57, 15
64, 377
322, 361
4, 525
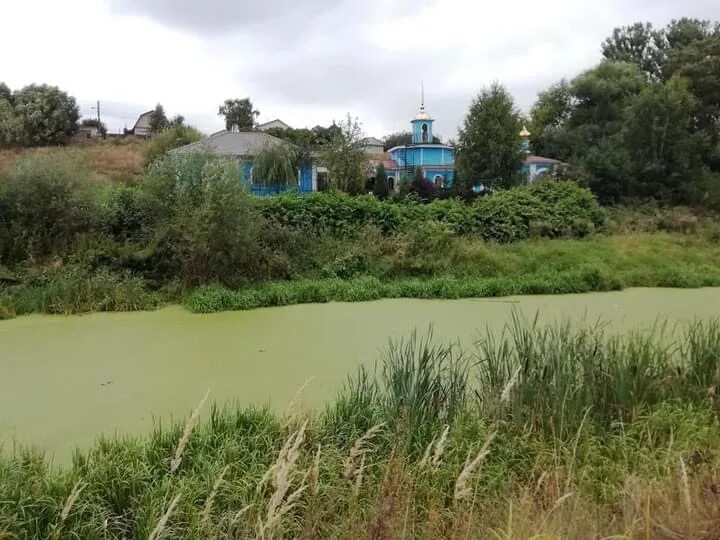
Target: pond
64, 380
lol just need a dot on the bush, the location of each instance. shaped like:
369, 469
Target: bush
175, 136
213, 229
564, 208
46, 202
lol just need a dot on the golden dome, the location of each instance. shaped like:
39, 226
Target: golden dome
422, 115
524, 133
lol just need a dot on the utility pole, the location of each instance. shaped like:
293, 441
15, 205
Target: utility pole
99, 125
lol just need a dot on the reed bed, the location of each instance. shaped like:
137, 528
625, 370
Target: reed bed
540, 432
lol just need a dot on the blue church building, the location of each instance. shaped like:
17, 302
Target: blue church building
436, 161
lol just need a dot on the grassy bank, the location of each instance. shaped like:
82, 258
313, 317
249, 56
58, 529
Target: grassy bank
372, 267
541, 432
69, 244
478, 269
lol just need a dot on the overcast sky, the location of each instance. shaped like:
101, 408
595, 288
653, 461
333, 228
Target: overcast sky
309, 62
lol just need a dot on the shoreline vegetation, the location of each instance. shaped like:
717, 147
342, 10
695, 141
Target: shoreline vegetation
541, 431
190, 233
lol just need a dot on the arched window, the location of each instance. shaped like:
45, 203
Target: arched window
424, 133
391, 183
439, 181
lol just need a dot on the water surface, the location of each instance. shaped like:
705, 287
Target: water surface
66, 379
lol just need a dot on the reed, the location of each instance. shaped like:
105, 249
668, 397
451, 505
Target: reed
633, 450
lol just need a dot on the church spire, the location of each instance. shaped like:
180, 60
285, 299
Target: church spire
422, 95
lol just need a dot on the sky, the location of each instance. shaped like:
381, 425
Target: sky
310, 62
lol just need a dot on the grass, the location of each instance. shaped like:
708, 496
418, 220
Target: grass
542, 432
106, 161
474, 268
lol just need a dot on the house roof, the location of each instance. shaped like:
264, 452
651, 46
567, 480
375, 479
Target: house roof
232, 143
143, 115
372, 141
277, 123
530, 160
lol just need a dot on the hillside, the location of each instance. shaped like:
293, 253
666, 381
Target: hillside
107, 161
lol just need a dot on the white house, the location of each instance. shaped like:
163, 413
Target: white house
273, 124
142, 125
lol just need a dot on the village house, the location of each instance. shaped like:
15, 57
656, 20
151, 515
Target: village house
142, 126
244, 146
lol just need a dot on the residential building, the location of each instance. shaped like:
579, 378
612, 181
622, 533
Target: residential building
244, 146
273, 124
142, 126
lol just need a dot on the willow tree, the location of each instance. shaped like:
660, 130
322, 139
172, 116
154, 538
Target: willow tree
275, 166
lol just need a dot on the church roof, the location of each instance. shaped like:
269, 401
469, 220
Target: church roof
422, 114
530, 160
232, 143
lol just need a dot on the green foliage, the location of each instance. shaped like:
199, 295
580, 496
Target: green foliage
403, 138
239, 114
43, 115
345, 157
75, 289
174, 136
505, 216
158, 119
276, 166
643, 123
421, 186
381, 189
570, 407
488, 150
47, 203
212, 230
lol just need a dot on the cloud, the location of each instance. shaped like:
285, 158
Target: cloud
311, 61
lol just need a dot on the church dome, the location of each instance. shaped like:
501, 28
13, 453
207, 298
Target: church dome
422, 115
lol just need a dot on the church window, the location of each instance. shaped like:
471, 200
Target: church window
424, 133
439, 181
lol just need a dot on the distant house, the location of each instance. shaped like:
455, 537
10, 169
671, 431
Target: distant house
142, 126
534, 166
86, 132
244, 146
373, 146
273, 124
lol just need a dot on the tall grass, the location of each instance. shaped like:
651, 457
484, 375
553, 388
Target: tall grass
560, 431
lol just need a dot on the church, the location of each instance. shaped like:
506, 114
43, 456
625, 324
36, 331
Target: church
436, 161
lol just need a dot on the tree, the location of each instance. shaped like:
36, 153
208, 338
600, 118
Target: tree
381, 189
403, 138
8, 124
175, 136
239, 114
420, 185
275, 165
638, 44
663, 147
345, 158
6, 93
158, 119
44, 115
548, 121
488, 150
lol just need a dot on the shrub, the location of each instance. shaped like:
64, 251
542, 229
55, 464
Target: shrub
213, 228
46, 202
174, 136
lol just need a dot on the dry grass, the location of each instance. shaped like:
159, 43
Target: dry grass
187, 431
107, 161
157, 532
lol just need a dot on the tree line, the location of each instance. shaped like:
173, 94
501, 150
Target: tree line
643, 123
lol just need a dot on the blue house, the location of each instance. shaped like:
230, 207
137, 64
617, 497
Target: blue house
534, 166
244, 146
436, 161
